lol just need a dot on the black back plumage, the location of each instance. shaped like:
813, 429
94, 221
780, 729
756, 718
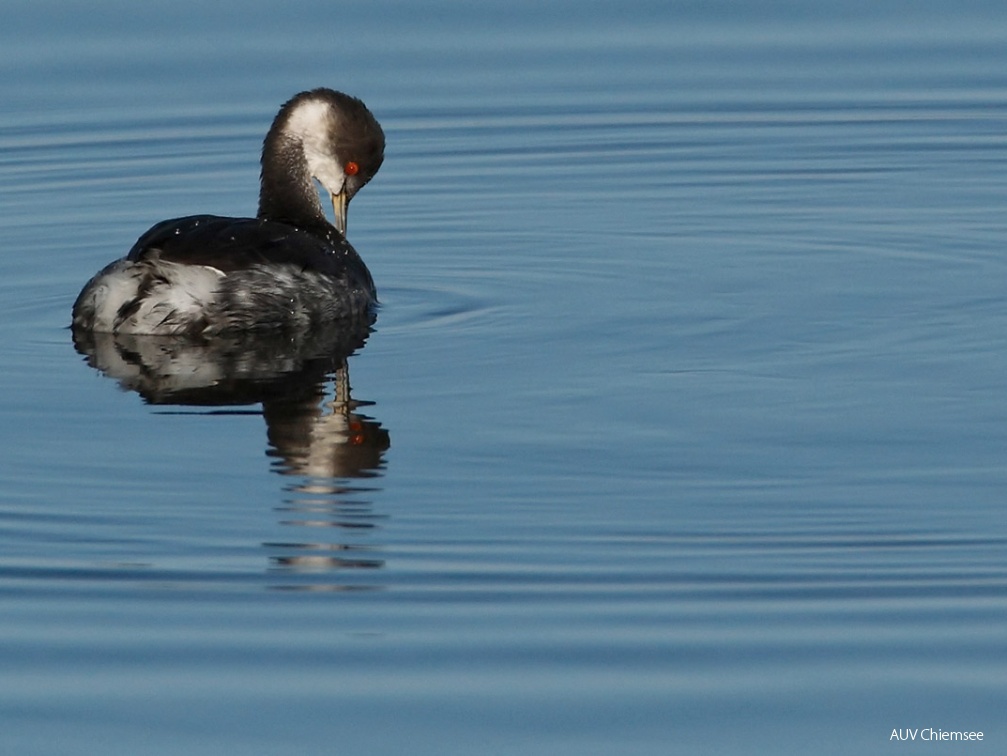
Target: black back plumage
233, 244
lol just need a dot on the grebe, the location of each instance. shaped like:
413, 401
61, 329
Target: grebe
287, 268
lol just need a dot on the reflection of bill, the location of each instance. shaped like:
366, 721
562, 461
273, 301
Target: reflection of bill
325, 438
313, 427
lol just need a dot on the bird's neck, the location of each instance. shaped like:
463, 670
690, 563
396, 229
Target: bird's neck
287, 193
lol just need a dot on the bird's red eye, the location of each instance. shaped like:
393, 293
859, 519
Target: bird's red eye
351, 168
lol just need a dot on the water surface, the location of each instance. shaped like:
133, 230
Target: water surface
682, 428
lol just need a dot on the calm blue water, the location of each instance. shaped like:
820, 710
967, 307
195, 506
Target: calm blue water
683, 428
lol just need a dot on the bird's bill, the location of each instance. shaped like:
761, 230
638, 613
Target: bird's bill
339, 204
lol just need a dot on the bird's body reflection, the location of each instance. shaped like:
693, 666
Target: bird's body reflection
316, 434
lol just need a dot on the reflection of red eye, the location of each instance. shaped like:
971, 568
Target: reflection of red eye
352, 169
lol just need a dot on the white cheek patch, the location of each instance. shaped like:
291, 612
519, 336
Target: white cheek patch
310, 124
